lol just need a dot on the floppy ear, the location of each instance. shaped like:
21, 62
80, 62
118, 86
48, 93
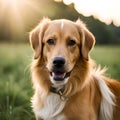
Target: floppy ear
87, 39
36, 36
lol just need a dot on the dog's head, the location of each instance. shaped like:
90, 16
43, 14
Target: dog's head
60, 44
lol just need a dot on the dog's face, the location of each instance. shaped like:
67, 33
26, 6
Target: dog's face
61, 43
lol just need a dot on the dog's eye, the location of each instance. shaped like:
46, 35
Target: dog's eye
71, 43
51, 42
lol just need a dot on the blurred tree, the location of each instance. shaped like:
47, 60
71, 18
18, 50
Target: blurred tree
30, 15
100, 30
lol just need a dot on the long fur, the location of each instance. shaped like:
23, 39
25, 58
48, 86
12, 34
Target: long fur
90, 95
53, 106
108, 98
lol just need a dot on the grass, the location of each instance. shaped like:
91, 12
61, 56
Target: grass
15, 83
108, 56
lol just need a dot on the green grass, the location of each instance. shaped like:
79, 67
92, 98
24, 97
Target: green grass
15, 83
109, 57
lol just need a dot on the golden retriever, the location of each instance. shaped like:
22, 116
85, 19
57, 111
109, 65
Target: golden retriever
67, 85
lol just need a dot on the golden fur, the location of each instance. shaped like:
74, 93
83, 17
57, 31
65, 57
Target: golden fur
85, 87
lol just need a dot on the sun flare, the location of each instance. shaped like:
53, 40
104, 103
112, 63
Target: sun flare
10, 1
13, 14
10, 13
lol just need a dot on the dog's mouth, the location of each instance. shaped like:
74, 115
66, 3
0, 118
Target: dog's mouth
60, 76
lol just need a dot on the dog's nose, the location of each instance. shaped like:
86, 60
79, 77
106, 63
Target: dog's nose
59, 62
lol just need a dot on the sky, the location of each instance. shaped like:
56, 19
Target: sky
105, 10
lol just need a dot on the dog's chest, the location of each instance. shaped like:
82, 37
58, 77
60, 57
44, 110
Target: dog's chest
52, 109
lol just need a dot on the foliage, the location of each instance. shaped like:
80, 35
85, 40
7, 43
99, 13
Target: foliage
33, 13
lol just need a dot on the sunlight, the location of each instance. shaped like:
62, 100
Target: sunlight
105, 10
10, 9
12, 2
12, 12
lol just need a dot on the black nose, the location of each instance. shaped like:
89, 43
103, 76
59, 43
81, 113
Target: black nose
58, 62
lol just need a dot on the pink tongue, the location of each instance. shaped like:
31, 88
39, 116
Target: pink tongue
56, 75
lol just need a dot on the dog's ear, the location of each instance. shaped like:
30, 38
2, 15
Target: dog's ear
36, 36
87, 39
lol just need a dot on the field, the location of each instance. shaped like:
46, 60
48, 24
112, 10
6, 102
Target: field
15, 84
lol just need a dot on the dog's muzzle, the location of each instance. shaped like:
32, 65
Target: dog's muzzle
58, 72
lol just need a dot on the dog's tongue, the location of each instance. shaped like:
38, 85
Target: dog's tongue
58, 75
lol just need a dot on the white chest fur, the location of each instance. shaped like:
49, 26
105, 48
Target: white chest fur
53, 106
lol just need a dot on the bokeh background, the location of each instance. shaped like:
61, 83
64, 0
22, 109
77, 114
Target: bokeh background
19, 17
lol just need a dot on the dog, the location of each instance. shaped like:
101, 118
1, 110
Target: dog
67, 84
